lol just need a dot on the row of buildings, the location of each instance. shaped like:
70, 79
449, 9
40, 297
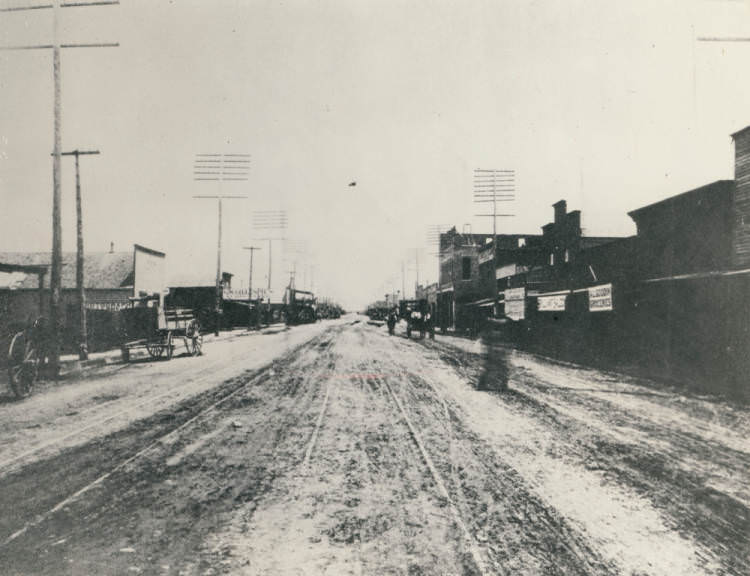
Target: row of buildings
672, 297
111, 281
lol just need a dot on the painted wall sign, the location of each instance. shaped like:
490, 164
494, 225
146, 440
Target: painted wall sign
600, 298
240, 294
554, 303
108, 306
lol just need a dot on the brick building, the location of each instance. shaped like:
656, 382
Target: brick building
670, 301
474, 271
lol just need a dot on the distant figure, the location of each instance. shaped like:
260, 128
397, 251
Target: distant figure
429, 324
495, 371
392, 319
352, 183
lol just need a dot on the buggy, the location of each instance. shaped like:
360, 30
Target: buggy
417, 316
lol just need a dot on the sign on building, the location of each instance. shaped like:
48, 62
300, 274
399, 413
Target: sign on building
552, 302
107, 306
600, 298
515, 303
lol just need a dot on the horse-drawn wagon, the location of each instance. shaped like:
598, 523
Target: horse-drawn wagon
148, 324
27, 355
417, 316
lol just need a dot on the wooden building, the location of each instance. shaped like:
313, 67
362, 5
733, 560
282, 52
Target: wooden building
110, 279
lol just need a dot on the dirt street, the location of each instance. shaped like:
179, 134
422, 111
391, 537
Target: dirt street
336, 449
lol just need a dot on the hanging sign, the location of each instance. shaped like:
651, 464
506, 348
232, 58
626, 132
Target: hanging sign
515, 303
600, 298
552, 303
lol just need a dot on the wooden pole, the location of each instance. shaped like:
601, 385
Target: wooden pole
55, 325
56, 272
218, 277
250, 291
83, 347
270, 252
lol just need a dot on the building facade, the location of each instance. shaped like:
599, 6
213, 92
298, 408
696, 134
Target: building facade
110, 280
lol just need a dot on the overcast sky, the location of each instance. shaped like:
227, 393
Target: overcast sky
609, 105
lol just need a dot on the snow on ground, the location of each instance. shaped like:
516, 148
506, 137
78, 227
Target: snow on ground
625, 524
73, 412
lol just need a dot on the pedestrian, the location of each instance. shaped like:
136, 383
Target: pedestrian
494, 375
392, 319
429, 324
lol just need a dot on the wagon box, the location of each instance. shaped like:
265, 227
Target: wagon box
148, 324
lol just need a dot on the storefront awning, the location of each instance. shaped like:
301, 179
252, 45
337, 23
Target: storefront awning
482, 302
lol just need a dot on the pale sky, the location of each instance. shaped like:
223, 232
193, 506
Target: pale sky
609, 105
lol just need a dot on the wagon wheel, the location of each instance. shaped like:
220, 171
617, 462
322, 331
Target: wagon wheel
194, 338
23, 362
154, 348
169, 346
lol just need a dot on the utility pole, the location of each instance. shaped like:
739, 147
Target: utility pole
83, 346
250, 289
403, 278
297, 248
56, 263
220, 168
270, 220
494, 186
416, 280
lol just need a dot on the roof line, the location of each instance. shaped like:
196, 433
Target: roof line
672, 198
149, 250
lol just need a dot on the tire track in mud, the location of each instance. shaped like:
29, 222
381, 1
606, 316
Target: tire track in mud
16, 461
367, 502
716, 521
437, 478
516, 531
127, 454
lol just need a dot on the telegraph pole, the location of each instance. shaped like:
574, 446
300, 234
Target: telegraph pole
220, 168
56, 263
298, 249
494, 186
416, 280
250, 288
270, 220
83, 346
403, 278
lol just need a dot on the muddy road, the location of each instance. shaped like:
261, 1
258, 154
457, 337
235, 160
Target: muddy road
336, 449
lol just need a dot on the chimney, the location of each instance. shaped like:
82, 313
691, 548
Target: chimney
741, 204
111, 247
561, 208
